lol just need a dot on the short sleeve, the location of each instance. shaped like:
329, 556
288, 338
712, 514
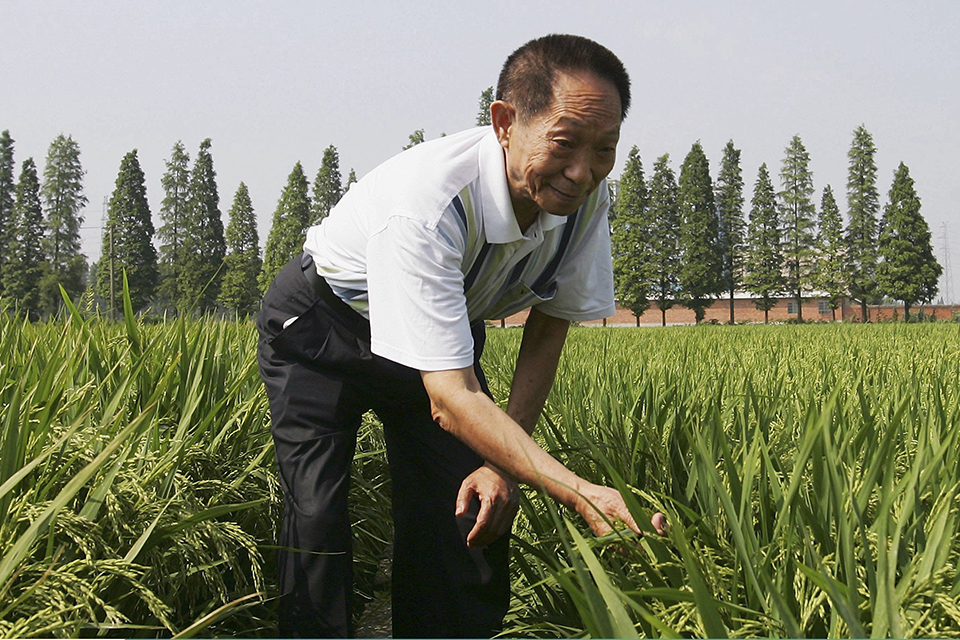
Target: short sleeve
418, 310
585, 278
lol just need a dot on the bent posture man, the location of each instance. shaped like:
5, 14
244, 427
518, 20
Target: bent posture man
385, 311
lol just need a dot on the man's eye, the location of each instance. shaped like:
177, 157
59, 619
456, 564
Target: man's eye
563, 144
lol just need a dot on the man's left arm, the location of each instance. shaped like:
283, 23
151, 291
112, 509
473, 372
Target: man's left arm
543, 338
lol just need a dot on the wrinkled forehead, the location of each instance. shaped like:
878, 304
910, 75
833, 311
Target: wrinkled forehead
574, 89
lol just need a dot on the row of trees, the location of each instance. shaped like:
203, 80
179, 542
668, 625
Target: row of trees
196, 264
190, 264
688, 241
676, 240
200, 267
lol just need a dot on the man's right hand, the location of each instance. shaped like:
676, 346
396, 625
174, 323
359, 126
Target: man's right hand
600, 505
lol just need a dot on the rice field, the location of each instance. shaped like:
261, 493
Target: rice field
810, 474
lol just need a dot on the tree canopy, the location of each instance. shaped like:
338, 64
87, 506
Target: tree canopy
25, 264
127, 241
701, 263
764, 274
63, 201
173, 212
631, 238
664, 216
327, 187
729, 200
830, 273
203, 246
908, 270
240, 291
863, 203
290, 220
797, 214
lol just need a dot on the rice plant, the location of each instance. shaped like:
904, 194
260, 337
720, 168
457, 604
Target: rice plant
135, 489
809, 473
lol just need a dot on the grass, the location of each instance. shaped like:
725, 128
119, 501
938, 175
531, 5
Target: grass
809, 472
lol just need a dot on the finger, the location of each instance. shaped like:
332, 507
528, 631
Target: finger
464, 496
627, 518
659, 522
600, 527
479, 535
630, 522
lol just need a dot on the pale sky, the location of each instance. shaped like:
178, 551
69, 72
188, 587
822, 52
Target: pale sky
274, 83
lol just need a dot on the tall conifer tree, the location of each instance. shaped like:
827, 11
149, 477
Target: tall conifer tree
25, 265
729, 199
290, 220
7, 191
483, 110
664, 217
797, 213
764, 274
908, 271
830, 274
174, 213
203, 248
63, 200
630, 233
240, 291
863, 202
701, 263
327, 187
128, 240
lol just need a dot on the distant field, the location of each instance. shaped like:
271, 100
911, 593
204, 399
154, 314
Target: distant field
810, 474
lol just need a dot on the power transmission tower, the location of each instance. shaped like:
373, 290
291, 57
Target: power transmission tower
107, 228
947, 288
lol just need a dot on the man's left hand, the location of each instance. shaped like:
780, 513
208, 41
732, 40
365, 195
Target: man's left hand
499, 500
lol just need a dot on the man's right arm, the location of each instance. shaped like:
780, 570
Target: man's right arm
460, 406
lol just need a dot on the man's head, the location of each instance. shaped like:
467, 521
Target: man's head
557, 116
527, 77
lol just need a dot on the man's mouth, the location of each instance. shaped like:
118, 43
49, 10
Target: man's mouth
563, 195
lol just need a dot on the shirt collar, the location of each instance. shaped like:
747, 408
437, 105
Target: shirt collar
499, 220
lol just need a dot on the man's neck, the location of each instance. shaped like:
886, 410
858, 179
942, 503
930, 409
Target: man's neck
526, 216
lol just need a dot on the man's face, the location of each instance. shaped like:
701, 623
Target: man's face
557, 157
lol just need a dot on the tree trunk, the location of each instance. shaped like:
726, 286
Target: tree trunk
906, 312
663, 317
864, 312
799, 306
731, 307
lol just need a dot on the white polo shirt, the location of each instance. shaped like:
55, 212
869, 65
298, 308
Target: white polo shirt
428, 243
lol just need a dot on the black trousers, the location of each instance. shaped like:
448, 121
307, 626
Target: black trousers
320, 378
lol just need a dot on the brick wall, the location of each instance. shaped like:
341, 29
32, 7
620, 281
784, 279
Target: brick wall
745, 311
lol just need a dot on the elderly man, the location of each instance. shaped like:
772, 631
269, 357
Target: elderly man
385, 311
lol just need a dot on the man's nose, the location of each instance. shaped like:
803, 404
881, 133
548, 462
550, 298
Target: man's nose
579, 170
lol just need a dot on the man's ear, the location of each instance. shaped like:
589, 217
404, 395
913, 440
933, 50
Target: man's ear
503, 116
